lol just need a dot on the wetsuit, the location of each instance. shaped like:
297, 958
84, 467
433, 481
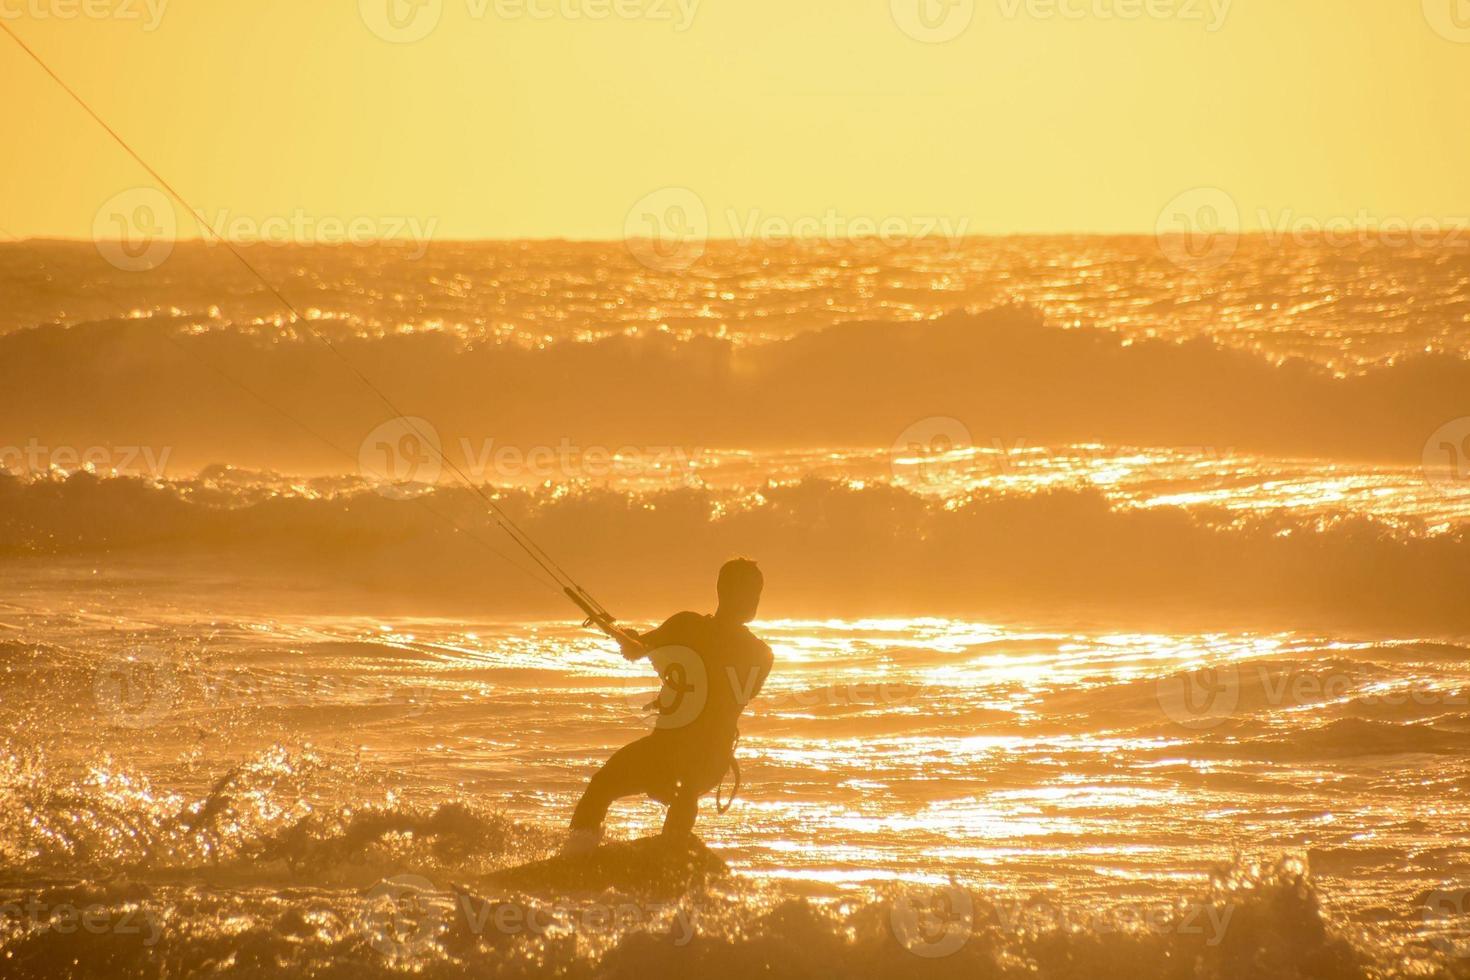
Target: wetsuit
711, 669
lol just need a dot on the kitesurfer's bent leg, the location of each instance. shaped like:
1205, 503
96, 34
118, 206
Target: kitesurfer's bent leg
634, 770
683, 809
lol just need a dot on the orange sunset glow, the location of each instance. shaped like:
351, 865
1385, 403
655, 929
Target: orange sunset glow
684, 488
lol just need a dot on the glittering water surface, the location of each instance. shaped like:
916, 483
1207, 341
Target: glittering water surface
1110, 773
233, 731
1346, 306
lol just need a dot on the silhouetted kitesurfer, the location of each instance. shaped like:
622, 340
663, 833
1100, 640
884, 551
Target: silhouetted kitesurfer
711, 667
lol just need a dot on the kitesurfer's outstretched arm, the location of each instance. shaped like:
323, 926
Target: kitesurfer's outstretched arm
677, 630
634, 646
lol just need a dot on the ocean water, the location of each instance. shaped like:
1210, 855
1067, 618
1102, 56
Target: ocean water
1119, 632
918, 795
1347, 306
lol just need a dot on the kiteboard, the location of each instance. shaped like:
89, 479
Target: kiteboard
649, 865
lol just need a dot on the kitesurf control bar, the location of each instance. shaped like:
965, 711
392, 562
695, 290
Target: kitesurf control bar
599, 617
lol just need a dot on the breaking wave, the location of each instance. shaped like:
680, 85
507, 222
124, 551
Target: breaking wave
106, 877
207, 394
832, 547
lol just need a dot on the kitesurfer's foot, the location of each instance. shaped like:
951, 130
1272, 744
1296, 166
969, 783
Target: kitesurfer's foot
679, 840
582, 840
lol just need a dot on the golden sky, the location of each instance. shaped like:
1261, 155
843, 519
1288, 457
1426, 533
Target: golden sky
552, 118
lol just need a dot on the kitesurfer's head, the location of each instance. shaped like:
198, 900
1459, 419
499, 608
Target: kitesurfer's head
740, 587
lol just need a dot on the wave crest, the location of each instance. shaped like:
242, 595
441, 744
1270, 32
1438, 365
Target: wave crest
829, 548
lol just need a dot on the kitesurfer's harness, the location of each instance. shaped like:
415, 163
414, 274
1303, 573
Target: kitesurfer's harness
674, 676
734, 769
